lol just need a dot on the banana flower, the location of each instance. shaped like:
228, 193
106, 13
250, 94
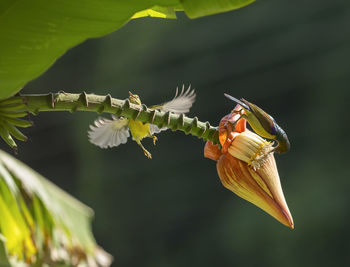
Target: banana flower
246, 166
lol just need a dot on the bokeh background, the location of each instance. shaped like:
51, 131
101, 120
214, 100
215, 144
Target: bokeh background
289, 57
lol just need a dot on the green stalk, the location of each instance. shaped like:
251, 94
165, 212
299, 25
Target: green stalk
89, 102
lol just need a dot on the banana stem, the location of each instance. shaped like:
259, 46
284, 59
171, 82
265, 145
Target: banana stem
106, 104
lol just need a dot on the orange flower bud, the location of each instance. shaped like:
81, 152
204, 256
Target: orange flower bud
246, 166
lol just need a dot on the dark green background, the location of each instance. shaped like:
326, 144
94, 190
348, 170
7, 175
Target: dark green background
289, 57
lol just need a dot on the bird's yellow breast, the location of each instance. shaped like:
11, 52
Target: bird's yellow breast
139, 130
257, 127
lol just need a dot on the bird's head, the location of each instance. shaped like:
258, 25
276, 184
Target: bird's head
282, 140
135, 99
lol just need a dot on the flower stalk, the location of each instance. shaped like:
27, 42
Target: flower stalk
35, 103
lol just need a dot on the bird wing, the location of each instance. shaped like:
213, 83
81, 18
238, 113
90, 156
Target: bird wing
181, 103
109, 133
154, 129
267, 122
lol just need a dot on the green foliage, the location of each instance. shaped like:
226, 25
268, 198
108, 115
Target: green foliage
40, 223
199, 8
10, 112
3, 257
33, 34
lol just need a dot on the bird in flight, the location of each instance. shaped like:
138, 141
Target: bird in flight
107, 133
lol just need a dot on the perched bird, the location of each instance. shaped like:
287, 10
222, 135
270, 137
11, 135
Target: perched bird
263, 124
113, 132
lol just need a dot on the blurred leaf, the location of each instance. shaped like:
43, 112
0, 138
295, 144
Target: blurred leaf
157, 12
33, 34
13, 225
40, 222
3, 257
11, 110
200, 8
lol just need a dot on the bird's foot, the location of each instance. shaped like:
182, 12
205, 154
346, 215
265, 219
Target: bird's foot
155, 139
147, 154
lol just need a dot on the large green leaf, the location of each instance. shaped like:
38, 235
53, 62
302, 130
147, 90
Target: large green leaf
33, 34
199, 8
40, 222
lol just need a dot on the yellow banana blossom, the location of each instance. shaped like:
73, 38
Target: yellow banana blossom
246, 166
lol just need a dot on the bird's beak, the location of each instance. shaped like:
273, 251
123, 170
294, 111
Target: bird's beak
243, 105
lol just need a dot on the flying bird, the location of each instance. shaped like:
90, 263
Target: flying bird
107, 133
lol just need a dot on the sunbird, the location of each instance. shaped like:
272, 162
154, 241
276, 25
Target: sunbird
263, 124
111, 133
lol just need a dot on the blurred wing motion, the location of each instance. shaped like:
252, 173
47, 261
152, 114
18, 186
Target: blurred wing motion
109, 133
154, 129
181, 103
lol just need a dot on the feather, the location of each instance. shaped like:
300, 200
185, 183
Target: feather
154, 129
181, 103
267, 122
109, 133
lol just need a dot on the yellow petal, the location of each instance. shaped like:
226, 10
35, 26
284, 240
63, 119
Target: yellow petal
261, 187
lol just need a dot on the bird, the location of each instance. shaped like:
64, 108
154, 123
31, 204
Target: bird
263, 124
108, 133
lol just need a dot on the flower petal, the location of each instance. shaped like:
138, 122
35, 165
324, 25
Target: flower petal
261, 187
212, 151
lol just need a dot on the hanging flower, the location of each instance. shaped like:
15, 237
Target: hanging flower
246, 166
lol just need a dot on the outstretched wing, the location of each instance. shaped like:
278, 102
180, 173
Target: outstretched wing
154, 129
109, 133
181, 103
